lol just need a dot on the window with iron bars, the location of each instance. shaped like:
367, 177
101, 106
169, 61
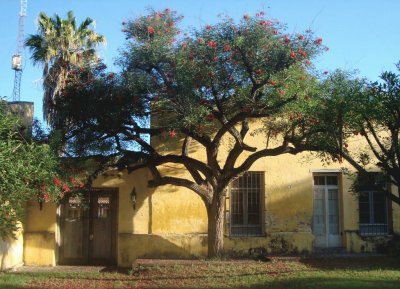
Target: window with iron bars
373, 213
246, 205
372, 204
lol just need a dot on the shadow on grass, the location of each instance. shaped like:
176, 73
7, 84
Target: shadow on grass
361, 263
326, 283
294, 283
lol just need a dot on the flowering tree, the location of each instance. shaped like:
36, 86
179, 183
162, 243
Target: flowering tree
191, 89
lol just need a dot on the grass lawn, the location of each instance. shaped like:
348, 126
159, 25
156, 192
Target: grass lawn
360, 272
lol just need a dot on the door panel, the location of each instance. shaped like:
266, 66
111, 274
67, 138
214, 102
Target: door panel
73, 229
319, 217
333, 221
102, 228
89, 236
326, 212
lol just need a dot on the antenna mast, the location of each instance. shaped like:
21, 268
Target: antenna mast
17, 57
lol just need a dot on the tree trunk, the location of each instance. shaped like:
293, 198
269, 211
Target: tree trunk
215, 213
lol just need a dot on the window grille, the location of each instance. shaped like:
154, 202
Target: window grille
372, 204
246, 205
373, 213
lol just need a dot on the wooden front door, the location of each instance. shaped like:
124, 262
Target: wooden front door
88, 236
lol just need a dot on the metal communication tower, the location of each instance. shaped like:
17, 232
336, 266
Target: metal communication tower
17, 57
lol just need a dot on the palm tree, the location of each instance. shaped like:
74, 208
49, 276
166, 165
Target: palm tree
58, 46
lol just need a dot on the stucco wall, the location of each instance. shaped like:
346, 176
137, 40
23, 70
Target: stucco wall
39, 236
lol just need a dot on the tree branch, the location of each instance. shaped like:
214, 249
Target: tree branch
200, 190
185, 152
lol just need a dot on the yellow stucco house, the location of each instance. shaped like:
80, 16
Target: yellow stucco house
283, 204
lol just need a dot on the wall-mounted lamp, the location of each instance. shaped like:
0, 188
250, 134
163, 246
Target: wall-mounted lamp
133, 198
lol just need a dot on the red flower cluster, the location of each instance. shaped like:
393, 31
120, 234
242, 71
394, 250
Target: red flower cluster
46, 197
259, 71
172, 133
272, 83
318, 41
57, 181
208, 27
293, 55
302, 52
300, 37
227, 47
286, 40
150, 30
212, 44
111, 76
66, 188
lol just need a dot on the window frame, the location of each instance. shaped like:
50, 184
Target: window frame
371, 208
245, 229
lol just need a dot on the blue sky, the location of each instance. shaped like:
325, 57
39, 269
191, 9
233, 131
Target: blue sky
361, 34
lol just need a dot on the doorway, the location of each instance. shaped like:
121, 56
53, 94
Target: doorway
326, 225
88, 231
